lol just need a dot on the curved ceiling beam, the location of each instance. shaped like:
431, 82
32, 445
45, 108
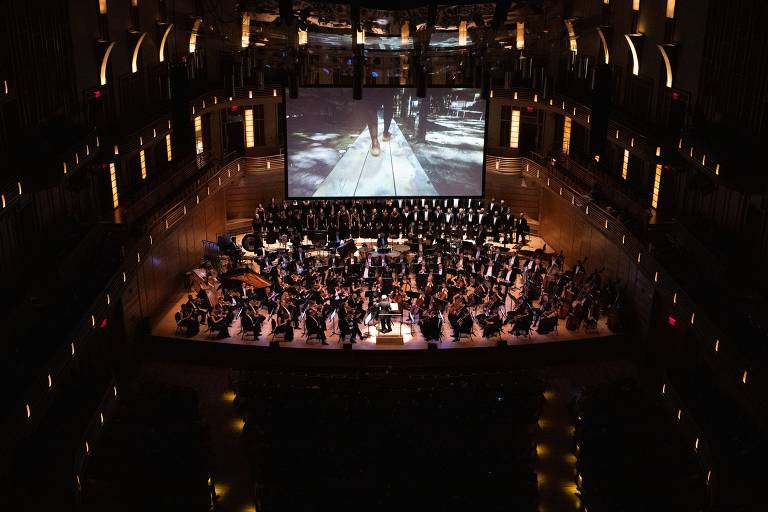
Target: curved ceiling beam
635, 60
193, 35
135, 56
605, 45
162, 41
104, 62
667, 65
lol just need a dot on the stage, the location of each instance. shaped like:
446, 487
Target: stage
164, 327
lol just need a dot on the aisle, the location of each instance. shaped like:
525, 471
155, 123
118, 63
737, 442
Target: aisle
228, 465
555, 458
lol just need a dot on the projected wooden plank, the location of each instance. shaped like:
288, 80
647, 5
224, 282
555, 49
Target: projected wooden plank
396, 171
343, 178
410, 178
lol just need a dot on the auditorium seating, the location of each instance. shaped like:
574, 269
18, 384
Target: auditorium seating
739, 446
407, 440
152, 455
631, 455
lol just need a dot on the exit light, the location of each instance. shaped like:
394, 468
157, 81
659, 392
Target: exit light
672, 321
529, 109
97, 93
234, 108
675, 95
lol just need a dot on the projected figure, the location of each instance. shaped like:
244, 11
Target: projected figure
379, 98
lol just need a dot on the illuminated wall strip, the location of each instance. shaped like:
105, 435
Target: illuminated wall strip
625, 164
635, 61
135, 57
249, 128
104, 62
193, 35
514, 130
656, 187
102, 6
143, 164
245, 39
667, 65
670, 9
303, 36
572, 43
463, 33
405, 33
520, 35
162, 42
113, 182
607, 56
566, 134
168, 148
198, 135
635, 5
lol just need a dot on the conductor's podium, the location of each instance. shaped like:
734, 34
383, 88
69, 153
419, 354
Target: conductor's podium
395, 336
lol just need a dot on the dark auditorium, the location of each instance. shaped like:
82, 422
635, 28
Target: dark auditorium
383, 255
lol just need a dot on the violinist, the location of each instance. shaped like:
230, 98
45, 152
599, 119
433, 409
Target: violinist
430, 325
283, 321
315, 323
457, 312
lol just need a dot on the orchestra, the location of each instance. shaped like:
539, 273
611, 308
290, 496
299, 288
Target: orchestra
431, 259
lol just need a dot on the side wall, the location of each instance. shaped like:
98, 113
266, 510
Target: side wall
161, 273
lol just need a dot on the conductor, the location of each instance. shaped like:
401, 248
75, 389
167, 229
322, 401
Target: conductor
384, 309
382, 241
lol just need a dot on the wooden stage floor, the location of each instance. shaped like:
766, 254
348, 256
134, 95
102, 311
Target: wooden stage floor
164, 326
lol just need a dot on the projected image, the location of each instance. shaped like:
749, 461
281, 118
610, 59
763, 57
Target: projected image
389, 144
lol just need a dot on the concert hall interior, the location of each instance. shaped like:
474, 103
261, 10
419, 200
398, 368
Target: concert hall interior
336, 255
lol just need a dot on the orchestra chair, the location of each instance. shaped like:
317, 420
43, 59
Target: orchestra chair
495, 333
275, 336
248, 326
180, 328
210, 331
524, 329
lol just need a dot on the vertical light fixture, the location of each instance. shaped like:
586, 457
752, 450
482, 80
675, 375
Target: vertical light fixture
520, 36
168, 149
463, 33
656, 187
102, 6
572, 43
360, 36
113, 182
566, 134
635, 5
405, 34
625, 164
193, 34
514, 130
198, 135
245, 39
143, 164
249, 128
303, 37
670, 9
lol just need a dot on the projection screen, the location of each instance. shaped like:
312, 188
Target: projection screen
389, 144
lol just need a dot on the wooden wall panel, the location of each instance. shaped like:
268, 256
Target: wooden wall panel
244, 195
161, 274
